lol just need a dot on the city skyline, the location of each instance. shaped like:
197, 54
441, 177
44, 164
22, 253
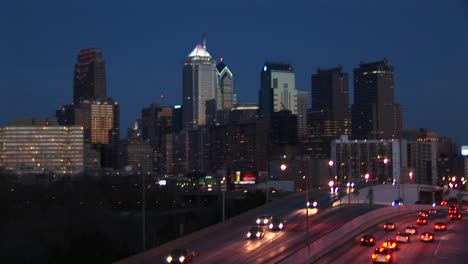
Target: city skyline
423, 43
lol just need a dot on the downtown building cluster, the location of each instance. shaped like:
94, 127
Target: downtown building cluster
211, 133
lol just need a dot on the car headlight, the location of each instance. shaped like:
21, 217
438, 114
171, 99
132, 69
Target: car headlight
258, 234
280, 226
315, 204
181, 259
265, 221
271, 226
258, 221
308, 204
249, 234
169, 259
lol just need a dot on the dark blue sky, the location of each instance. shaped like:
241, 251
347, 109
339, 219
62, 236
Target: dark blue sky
145, 43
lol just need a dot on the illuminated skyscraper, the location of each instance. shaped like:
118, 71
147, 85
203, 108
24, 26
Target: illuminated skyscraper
90, 75
225, 96
278, 90
199, 86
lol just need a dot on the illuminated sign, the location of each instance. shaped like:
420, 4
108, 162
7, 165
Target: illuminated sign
464, 150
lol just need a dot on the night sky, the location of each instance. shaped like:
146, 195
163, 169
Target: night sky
146, 42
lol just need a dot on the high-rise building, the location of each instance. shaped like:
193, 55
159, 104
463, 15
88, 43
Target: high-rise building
156, 121
90, 75
302, 104
199, 86
373, 111
278, 90
329, 117
42, 149
225, 96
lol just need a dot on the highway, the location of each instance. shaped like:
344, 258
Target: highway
228, 244
448, 247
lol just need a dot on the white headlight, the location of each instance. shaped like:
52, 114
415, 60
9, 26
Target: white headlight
258, 234
271, 226
258, 221
181, 259
169, 259
265, 221
280, 226
249, 234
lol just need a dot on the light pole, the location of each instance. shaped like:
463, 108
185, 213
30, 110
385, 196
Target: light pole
143, 209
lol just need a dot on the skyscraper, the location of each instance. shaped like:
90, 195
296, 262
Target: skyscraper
225, 96
90, 75
329, 117
199, 86
278, 90
373, 111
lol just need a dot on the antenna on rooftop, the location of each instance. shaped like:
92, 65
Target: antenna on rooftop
204, 40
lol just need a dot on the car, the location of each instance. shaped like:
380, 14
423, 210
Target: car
443, 203
367, 240
277, 223
456, 216
256, 232
397, 202
263, 220
432, 211
426, 237
421, 221
439, 226
311, 204
402, 237
411, 229
382, 255
453, 209
181, 255
423, 213
390, 244
389, 226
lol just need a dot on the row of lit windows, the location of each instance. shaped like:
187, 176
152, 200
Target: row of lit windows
374, 72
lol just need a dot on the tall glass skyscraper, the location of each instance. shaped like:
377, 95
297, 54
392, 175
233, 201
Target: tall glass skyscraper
278, 90
90, 75
225, 96
199, 86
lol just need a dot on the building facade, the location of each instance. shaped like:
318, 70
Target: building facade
90, 75
373, 111
199, 86
278, 90
329, 117
56, 150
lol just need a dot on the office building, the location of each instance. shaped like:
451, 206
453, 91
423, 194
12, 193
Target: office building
90, 75
373, 111
42, 149
225, 96
199, 86
419, 154
278, 90
375, 160
329, 117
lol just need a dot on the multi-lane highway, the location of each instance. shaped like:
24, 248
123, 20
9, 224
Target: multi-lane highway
229, 244
448, 247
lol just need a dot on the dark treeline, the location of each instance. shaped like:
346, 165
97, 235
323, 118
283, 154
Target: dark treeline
89, 220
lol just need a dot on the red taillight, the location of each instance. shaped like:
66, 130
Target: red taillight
398, 237
406, 238
393, 226
384, 226
384, 244
374, 256
422, 236
388, 257
362, 239
371, 239
430, 237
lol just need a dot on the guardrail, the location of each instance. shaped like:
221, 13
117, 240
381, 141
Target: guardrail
332, 240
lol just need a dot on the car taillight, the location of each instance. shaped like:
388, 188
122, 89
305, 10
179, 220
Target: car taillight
398, 237
371, 239
384, 244
374, 256
362, 239
430, 237
388, 257
422, 236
